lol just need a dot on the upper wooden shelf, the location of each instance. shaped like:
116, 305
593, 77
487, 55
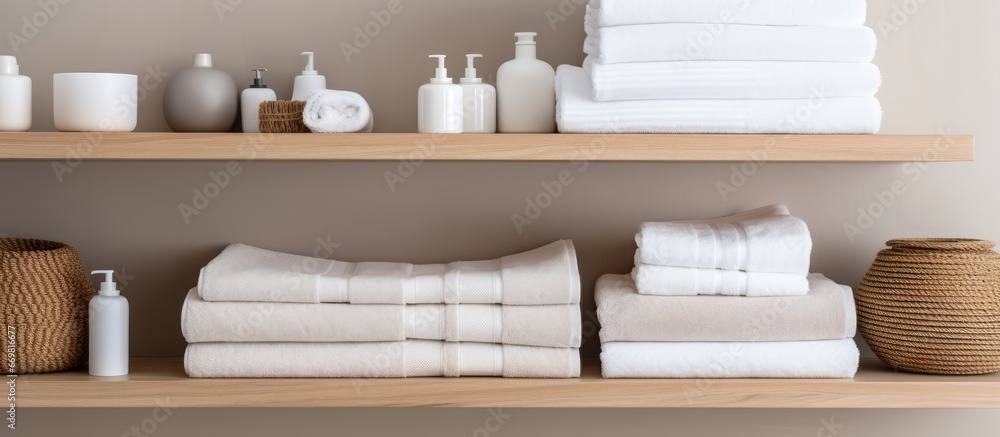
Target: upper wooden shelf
490, 147
156, 381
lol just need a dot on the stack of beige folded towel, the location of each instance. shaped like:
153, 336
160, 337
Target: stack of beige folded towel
258, 313
726, 298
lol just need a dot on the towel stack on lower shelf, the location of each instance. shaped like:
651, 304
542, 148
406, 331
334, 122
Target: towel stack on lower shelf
258, 313
723, 66
726, 298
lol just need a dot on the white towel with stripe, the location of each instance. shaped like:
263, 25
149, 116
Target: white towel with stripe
766, 240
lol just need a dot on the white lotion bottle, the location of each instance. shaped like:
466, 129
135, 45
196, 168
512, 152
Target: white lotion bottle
480, 101
526, 94
310, 80
15, 97
439, 103
252, 98
108, 329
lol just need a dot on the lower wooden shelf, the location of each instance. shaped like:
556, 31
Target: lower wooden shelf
162, 382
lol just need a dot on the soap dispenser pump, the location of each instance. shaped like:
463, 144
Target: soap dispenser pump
526, 96
252, 98
15, 97
439, 103
480, 101
310, 80
108, 329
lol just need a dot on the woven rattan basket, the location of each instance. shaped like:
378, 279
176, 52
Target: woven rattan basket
933, 306
282, 117
44, 293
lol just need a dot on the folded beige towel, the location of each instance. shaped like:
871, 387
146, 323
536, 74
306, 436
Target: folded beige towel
412, 358
545, 276
826, 313
256, 322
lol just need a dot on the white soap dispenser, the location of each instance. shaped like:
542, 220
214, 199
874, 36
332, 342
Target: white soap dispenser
526, 95
480, 101
439, 103
251, 100
310, 80
108, 329
15, 97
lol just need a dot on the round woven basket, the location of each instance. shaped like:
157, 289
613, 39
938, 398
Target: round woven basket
933, 306
44, 294
282, 117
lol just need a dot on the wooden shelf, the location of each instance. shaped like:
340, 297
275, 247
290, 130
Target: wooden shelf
492, 147
155, 381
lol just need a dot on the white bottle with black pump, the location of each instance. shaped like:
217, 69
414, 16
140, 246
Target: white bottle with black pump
480, 101
310, 80
526, 94
251, 99
439, 103
108, 329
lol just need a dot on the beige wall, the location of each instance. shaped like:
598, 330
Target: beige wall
939, 69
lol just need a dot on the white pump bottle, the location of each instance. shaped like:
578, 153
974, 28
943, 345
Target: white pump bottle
108, 329
439, 103
310, 80
526, 94
480, 101
15, 97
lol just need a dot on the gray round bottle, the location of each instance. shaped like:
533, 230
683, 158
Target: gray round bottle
201, 98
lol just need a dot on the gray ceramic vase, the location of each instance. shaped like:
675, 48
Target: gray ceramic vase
201, 98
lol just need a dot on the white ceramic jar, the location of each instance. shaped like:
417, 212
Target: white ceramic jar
95, 102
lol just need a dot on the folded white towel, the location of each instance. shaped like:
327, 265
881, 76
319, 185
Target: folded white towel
332, 111
255, 322
686, 281
795, 359
412, 358
545, 276
767, 240
731, 80
766, 12
729, 42
826, 313
577, 112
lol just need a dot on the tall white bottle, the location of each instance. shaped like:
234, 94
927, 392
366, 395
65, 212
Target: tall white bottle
439, 103
108, 329
480, 101
310, 80
251, 99
526, 92
15, 97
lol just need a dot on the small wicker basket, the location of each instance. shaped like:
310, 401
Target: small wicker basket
282, 117
44, 296
933, 306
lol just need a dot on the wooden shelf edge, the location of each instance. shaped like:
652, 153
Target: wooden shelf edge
40, 146
161, 381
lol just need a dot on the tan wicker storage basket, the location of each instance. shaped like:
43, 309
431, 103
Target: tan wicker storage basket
44, 296
282, 117
933, 306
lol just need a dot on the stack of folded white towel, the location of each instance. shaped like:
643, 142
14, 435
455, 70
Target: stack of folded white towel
726, 298
723, 66
257, 313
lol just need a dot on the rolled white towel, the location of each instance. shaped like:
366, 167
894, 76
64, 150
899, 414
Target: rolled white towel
332, 111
